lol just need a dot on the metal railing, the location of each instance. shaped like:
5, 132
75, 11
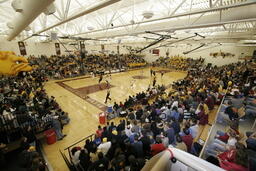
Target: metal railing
69, 148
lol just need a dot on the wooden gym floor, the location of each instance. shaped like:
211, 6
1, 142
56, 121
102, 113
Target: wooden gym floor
83, 98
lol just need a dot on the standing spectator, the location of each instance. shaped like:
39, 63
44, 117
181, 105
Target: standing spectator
187, 139
104, 146
157, 147
194, 128
29, 134
171, 134
180, 144
203, 117
99, 131
137, 147
57, 127
101, 164
84, 159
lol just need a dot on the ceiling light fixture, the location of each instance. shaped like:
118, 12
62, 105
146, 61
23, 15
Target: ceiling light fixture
147, 14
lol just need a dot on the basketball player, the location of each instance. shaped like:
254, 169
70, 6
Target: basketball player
162, 74
154, 73
133, 84
108, 84
101, 78
107, 96
154, 81
151, 72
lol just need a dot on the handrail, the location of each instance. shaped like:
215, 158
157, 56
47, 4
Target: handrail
68, 148
162, 160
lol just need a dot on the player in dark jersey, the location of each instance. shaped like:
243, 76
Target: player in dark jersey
107, 96
101, 78
154, 81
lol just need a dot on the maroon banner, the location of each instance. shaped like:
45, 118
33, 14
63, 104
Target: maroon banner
118, 49
156, 51
102, 48
82, 47
57, 47
22, 48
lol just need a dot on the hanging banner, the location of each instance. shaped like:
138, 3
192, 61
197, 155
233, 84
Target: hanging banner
57, 47
118, 49
156, 52
82, 47
22, 48
102, 48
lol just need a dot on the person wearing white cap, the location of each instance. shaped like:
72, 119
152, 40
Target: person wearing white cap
104, 146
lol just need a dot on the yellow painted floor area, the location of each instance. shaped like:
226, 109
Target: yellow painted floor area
84, 116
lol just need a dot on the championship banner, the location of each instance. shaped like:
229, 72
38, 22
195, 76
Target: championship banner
82, 47
118, 49
22, 48
156, 52
102, 48
57, 47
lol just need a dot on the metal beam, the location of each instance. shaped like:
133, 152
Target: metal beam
214, 5
191, 26
179, 15
67, 9
32, 9
87, 11
178, 7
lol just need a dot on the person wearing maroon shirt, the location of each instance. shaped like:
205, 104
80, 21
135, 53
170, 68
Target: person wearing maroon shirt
157, 147
237, 160
187, 139
99, 131
209, 102
203, 117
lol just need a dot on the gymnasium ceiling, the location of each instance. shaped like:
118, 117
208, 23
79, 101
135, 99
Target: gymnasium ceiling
126, 20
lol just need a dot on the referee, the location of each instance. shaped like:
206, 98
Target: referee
107, 96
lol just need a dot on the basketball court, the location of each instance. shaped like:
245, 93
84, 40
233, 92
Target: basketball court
83, 98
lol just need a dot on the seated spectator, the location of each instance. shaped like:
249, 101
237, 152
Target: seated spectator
220, 146
232, 129
251, 140
231, 111
234, 159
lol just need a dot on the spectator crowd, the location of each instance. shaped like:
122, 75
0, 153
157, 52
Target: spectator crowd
155, 119
59, 67
152, 120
